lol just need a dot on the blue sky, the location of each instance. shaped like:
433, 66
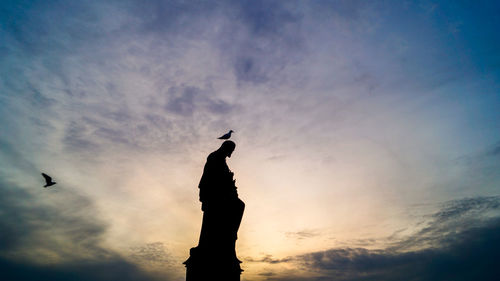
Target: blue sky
358, 125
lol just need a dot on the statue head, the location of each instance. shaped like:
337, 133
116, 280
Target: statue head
227, 148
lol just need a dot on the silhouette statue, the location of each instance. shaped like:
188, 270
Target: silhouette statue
215, 256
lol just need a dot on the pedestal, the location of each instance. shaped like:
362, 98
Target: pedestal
206, 265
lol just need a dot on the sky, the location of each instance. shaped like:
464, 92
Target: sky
367, 137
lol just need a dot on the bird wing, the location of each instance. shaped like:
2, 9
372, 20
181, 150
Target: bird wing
47, 177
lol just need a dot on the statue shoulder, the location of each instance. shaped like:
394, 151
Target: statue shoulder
214, 156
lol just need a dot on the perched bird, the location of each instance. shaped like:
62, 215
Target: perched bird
226, 136
48, 180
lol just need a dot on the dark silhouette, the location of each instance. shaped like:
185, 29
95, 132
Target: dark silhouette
226, 136
48, 180
215, 256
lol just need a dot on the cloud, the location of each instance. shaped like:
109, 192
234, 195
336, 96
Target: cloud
37, 99
165, 17
465, 208
151, 253
15, 158
187, 100
100, 66
268, 259
454, 218
471, 255
303, 234
32, 224
495, 151
248, 69
460, 242
257, 39
54, 234
76, 138
266, 17
80, 271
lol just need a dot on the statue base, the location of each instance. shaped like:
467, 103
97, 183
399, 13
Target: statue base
206, 265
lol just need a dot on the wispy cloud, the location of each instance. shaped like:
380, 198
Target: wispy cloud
187, 100
268, 259
495, 151
303, 234
153, 253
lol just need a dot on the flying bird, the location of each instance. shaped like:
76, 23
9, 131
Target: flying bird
226, 136
48, 180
